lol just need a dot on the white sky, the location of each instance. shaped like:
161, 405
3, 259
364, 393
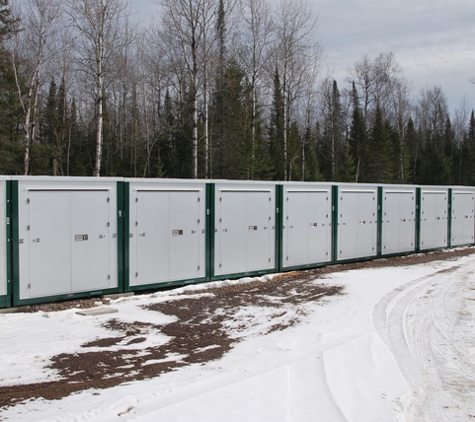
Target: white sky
433, 40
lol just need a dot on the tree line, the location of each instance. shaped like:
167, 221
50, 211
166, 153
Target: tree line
232, 89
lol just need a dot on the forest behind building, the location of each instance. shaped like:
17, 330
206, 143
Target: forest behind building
235, 89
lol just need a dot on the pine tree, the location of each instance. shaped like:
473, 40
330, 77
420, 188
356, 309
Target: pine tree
414, 151
400, 152
276, 129
311, 166
10, 110
378, 168
465, 170
358, 139
7, 22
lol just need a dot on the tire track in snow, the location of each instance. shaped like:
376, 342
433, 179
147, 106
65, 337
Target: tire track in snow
428, 325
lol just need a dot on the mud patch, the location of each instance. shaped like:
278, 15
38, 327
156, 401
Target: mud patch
205, 327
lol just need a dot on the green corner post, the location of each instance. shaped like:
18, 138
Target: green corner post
210, 229
379, 249
334, 224
279, 224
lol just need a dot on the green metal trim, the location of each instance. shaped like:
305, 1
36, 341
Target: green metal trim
244, 274
418, 219
306, 266
449, 217
379, 230
160, 285
123, 206
8, 247
334, 224
15, 243
210, 228
395, 254
4, 302
279, 224
69, 296
442, 248
122, 251
358, 259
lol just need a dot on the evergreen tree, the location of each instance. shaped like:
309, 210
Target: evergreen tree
332, 148
358, 139
276, 129
401, 164
465, 170
7, 22
413, 146
378, 168
10, 109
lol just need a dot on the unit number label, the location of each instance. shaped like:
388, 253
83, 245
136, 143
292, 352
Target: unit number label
81, 237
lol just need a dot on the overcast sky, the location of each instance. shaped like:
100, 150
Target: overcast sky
432, 40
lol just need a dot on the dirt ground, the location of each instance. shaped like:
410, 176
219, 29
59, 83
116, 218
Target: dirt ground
199, 333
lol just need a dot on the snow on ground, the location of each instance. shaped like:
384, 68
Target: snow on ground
398, 346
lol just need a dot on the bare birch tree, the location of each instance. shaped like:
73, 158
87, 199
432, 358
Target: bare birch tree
184, 23
298, 54
99, 25
254, 54
32, 47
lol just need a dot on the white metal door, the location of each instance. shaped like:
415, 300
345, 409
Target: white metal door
92, 254
357, 229
187, 244
168, 236
462, 217
434, 219
295, 231
231, 233
260, 224
151, 234
398, 225
48, 245
307, 233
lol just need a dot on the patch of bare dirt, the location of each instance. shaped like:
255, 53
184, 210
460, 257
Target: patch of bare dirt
200, 332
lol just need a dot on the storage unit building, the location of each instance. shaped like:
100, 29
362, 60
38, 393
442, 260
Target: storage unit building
306, 225
356, 218
462, 216
244, 228
398, 219
5, 281
167, 232
433, 217
66, 237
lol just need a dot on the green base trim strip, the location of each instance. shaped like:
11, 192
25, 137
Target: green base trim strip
176, 283
441, 248
4, 302
70, 296
247, 274
306, 266
402, 253
357, 259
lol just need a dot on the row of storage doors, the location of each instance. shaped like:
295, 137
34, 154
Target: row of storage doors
68, 237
